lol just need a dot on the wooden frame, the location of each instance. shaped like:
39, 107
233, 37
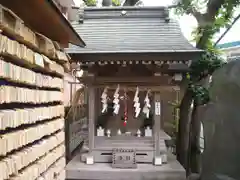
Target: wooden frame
145, 83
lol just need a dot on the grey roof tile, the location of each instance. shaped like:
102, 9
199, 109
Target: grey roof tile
142, 29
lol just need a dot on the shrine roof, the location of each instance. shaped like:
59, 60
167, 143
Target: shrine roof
130, 30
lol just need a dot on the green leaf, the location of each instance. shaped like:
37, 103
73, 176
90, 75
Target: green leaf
90, 2
116, 3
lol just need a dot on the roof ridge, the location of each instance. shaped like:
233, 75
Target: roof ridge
110, 8
125, 12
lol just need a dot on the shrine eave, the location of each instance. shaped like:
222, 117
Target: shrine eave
111, 56
72, 51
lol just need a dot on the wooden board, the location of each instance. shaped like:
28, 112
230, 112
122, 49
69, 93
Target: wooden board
136, 143
124, 158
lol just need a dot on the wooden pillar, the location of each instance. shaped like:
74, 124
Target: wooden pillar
157, 123
91, 116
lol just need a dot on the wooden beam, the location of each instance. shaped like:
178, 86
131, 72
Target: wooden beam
128, 81
136, 56
141, 68
160, 88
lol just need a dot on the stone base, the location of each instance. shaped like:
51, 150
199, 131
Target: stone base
89, 160
103, 171
157, 161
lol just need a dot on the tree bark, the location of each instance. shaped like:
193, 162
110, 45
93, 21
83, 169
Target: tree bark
130, 2
187, 146
194, 156
182, 145
106, 2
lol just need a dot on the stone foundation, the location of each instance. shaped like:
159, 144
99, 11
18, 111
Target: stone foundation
77, 170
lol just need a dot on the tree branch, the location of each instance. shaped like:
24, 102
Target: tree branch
195, 13
213, 7
188, 7
228, 29
208, 20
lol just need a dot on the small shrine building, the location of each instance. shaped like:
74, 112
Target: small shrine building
134, 62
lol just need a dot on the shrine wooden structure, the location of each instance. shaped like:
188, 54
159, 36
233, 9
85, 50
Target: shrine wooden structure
130, 47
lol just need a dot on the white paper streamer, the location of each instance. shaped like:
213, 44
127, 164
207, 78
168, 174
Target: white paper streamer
147, 105
136, 103
116, 106
104, 100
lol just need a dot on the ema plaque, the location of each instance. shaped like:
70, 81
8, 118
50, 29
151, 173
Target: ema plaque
124, 158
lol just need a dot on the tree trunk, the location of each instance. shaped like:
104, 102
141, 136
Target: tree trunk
106, 2
206, 31
130, 2
195, 126
194, 156
182, 145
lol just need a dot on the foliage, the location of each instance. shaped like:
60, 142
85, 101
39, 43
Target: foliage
90, 2
116, 3
204, 66
211, 16
216, 15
